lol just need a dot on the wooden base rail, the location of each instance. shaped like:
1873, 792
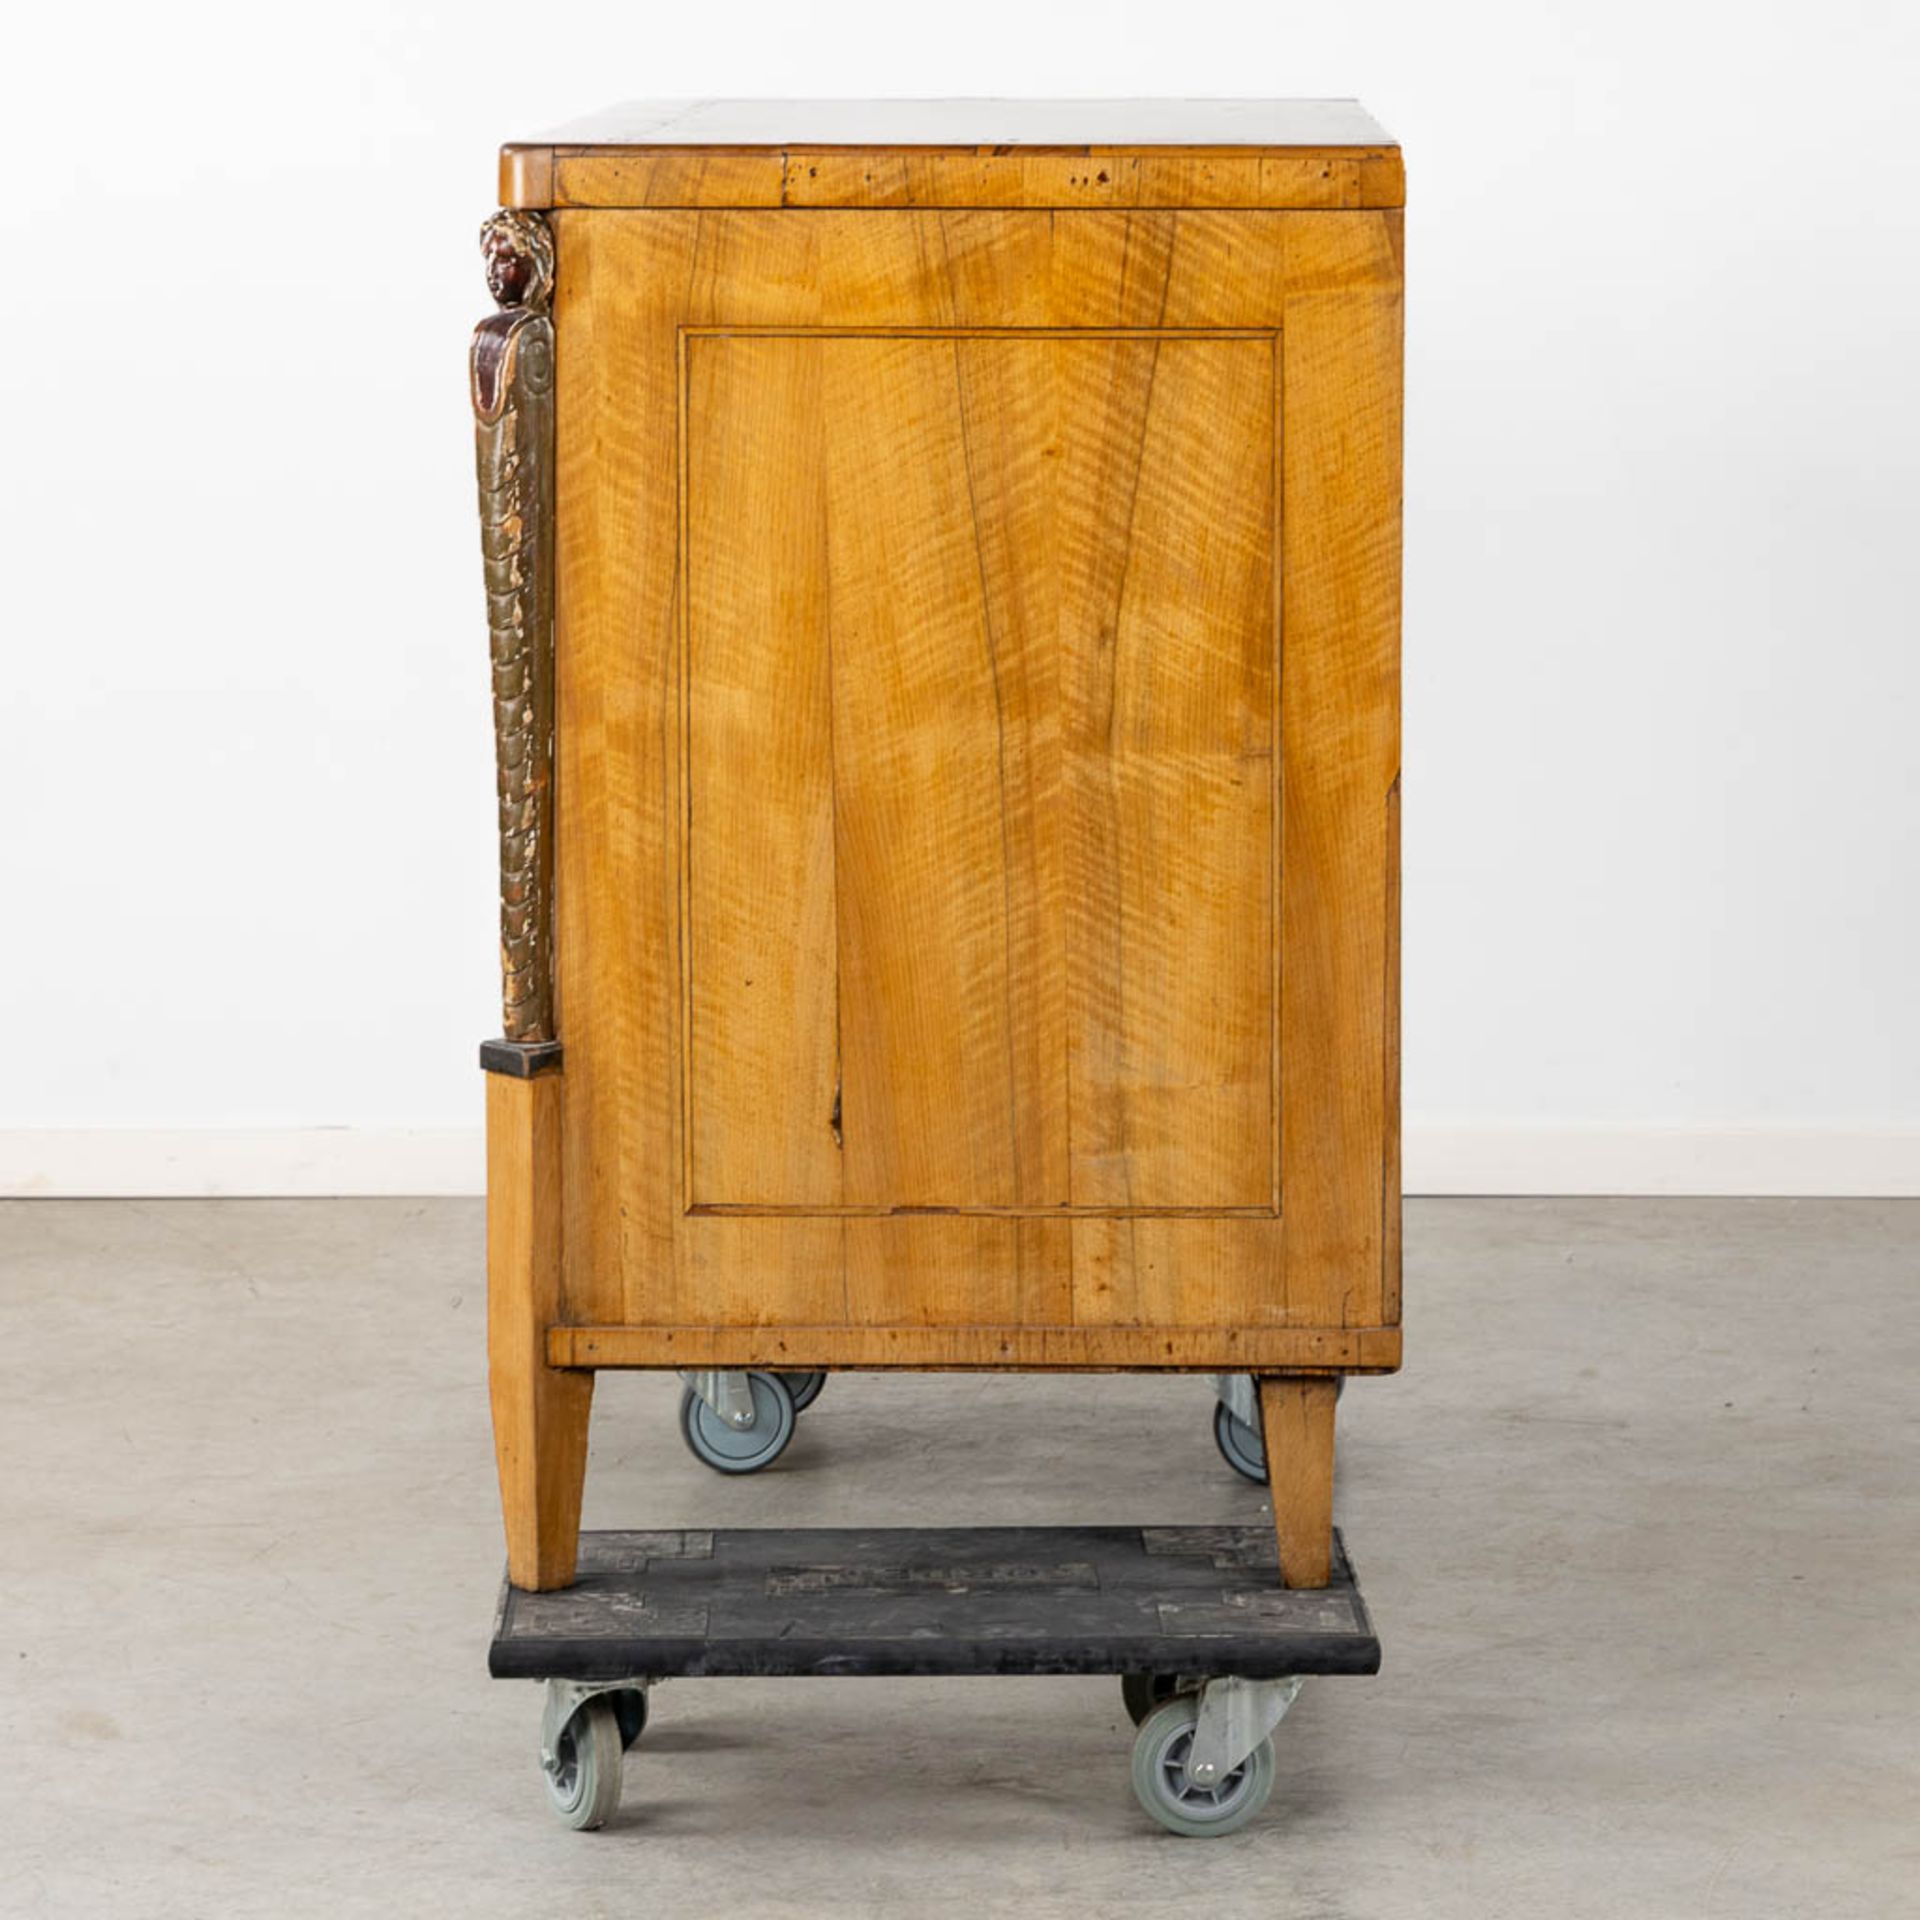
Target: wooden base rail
937, 1349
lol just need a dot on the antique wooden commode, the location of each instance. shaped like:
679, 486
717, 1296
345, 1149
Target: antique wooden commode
944, 574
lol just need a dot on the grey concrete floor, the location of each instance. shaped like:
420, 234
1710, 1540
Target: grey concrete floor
1640, 1527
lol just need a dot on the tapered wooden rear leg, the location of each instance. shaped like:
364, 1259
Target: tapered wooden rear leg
1296, 1412
540, 1413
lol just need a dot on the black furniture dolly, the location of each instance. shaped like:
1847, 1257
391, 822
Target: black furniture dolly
1211, 1651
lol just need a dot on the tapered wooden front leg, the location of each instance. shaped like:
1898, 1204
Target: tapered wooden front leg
540, 1413
1296, 1412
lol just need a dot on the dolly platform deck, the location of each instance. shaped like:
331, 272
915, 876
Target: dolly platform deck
933, 1600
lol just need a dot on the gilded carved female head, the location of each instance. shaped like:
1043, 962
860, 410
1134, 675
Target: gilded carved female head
518, 249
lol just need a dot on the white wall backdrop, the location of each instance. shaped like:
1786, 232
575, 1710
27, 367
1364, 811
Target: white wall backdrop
1663, 560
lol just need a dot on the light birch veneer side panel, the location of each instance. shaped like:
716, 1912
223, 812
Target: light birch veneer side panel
631, 285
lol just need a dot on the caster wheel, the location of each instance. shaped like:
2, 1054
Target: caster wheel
735, 1449
1240, 1445
1182, 1805
1142, 1692
583, 1784
805, 1388
630, 1709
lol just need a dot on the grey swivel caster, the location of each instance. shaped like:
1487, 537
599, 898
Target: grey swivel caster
1236, 1424
583, 1736
1142, 1692
736, 1422
1203, 1761
805, 1388
1240, 1445
630, 1709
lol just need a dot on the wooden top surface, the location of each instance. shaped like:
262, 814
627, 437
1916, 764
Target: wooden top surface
697, 153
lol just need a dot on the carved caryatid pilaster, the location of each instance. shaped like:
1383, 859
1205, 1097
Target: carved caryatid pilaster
511, 370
